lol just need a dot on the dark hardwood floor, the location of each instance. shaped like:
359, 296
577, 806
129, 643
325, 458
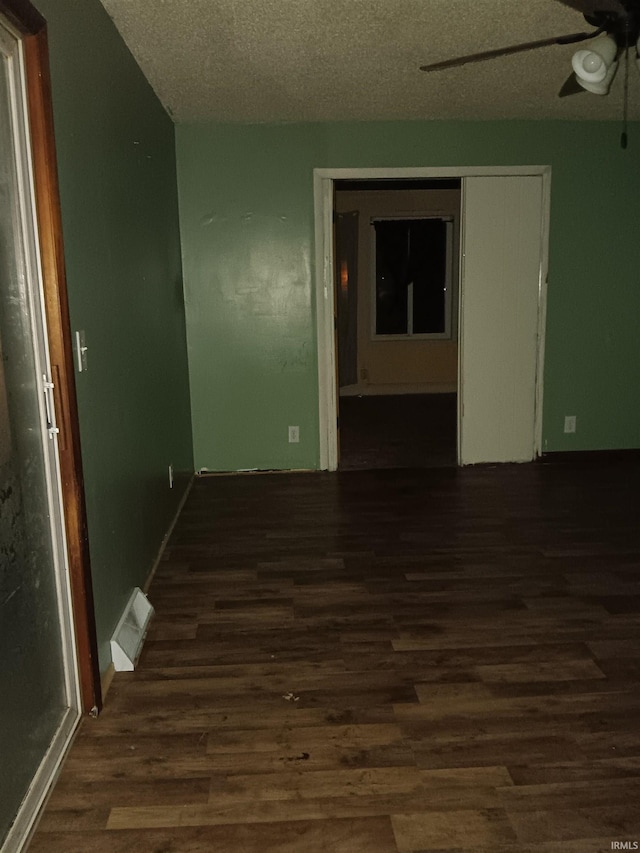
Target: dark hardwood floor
398, 431
375, 662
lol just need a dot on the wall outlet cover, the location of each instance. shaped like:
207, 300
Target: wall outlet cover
294, 434
570, 423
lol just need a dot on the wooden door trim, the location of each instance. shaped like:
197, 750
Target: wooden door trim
32, 25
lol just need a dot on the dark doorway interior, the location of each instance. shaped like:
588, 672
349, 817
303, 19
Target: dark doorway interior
396, 304
398, 431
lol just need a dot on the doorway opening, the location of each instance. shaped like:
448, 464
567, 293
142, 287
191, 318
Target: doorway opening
501, 310
396, 296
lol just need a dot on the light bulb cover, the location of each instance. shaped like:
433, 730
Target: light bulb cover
602, 87
592, 64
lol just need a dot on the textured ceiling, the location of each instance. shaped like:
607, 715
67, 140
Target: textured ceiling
323, 60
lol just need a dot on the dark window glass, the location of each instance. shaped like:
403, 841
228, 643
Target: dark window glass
428, 240
392, 257
411, 251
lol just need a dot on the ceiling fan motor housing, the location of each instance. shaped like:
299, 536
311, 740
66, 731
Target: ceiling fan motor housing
624, 28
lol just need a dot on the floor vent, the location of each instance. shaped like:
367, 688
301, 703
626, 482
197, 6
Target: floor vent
129, 635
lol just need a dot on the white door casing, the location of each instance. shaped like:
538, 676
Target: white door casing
323, 205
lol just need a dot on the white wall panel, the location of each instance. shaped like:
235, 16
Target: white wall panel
500, 297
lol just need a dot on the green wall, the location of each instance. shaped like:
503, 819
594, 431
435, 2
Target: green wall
116, 163
246, 212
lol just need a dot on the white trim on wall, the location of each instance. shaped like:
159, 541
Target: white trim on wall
542, 304
323, 206
327, 388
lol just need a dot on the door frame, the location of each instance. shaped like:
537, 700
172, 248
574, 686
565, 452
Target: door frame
323, 191
32, 27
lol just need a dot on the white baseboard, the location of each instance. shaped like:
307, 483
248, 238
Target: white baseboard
167, 535
128, 637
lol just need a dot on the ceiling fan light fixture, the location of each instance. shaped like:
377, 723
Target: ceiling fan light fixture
593, 65
601, 87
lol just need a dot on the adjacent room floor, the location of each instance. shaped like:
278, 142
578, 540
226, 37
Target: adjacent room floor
378, 662
398, 431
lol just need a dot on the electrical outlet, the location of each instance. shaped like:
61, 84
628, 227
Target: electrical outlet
294, 434
569, 423
170, 476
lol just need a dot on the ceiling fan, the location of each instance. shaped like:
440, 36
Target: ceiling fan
616, 31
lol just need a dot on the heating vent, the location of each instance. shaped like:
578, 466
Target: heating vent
130, 632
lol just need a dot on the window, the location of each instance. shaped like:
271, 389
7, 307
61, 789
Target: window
413, 277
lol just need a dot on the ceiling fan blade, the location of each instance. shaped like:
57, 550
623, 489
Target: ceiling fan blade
506, 51
570, 87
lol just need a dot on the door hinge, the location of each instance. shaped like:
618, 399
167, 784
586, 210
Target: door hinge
47, 387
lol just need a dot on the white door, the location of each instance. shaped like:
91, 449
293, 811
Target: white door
500, 305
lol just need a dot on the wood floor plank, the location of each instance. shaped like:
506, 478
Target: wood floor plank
482, 750
160, 720
301, 739
525, 673
575, 771
73, 794
247, 800
369, 835
615, 822
74, 819
443, 830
